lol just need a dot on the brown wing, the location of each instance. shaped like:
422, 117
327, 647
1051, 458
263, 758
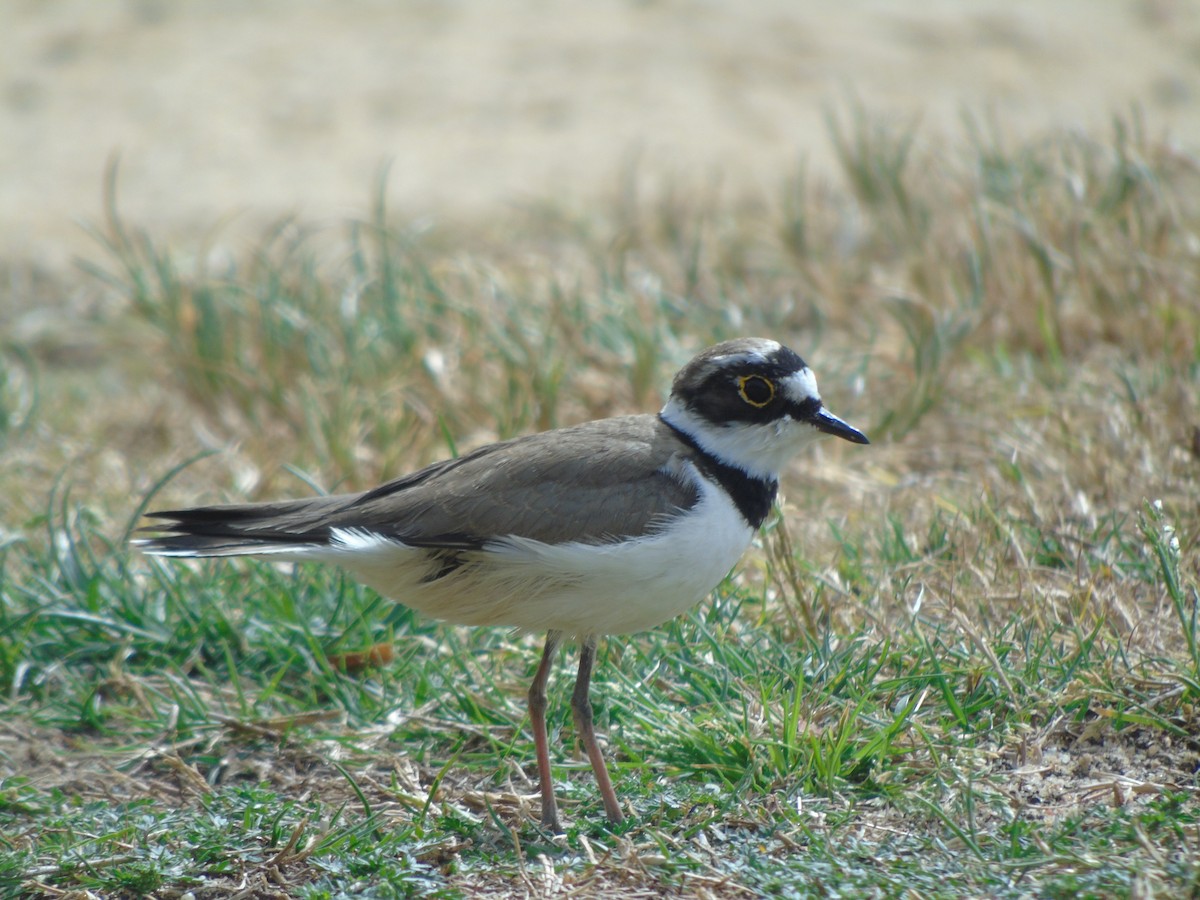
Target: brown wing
595, 482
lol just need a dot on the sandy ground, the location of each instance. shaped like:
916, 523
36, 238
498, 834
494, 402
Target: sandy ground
259, 109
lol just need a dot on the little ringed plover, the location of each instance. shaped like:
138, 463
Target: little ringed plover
609, 527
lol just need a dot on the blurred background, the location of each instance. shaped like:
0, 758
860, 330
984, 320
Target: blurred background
221, 109
253, 250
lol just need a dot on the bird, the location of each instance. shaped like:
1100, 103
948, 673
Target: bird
609, 527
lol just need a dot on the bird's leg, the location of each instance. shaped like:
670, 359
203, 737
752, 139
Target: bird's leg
537, 719
582, 707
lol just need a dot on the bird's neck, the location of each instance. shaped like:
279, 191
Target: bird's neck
752, 494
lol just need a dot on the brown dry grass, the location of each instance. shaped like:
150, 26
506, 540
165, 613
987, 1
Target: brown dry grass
1017, 327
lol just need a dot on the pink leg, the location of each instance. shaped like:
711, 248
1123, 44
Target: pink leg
537, 718
582, 707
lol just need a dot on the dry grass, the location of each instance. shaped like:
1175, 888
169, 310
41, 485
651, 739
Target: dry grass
964, 662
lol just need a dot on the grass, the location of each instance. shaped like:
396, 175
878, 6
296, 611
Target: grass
962, 661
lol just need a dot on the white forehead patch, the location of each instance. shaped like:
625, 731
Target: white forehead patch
800, 386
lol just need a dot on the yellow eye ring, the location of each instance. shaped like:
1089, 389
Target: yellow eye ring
756, 390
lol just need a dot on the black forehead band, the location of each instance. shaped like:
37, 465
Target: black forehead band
777, 364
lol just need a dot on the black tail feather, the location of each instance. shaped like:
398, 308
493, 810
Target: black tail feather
233, 530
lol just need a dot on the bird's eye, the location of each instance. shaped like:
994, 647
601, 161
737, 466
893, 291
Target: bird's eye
756, 390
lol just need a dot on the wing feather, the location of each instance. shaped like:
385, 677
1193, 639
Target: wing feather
597, 482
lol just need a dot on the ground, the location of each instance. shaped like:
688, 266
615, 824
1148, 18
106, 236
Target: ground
981, 219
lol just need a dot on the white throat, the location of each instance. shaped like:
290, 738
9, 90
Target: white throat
759, 450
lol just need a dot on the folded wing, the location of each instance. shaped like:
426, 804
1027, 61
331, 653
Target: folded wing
593, 483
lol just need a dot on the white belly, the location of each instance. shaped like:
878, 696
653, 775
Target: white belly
576, 588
